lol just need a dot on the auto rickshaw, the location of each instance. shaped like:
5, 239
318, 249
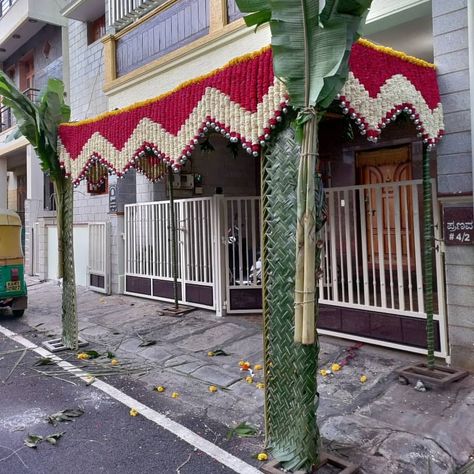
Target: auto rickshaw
13, 292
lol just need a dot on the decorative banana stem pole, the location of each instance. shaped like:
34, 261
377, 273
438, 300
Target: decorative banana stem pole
64, 195
428, 260
291, 397
305, 286
174, 250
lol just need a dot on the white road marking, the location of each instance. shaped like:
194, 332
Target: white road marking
173, 427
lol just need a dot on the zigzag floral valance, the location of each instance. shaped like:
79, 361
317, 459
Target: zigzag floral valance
244, 101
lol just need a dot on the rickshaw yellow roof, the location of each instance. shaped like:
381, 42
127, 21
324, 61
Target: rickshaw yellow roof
8, 217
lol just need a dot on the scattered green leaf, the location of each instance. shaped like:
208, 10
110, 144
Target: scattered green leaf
110, 355
147, 342
53, 438
219, 352
44, 361
243, 430
92, 354
32, 440
64, 415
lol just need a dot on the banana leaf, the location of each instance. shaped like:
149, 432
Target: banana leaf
310, 48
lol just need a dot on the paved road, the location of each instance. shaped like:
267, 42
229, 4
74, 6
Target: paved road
105, 439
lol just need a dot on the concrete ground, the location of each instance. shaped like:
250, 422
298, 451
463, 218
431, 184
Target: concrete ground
380, 424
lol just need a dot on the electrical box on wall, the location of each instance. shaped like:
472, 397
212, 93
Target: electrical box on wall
183, 181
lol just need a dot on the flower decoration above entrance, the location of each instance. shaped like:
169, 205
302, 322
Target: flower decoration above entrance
244, 101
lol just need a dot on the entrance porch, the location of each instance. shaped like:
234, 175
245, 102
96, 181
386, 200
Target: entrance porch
370, 280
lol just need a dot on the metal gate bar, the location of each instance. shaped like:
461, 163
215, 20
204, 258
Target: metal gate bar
243, 261
148, 259
98, 269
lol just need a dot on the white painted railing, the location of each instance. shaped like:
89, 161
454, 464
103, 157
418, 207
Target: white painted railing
148, 250
372, 250
148, 240
243, 236
122, 12
243, 255
98, 268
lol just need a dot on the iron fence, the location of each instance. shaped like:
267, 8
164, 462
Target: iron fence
7, 119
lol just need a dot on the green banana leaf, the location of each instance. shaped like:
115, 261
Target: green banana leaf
310, 48
38, 123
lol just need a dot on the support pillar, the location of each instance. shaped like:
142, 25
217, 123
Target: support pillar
290, 369
3, 183
33, 204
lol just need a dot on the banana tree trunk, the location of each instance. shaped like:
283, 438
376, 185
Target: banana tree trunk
291, 397
64, 195
428, 260
305, 299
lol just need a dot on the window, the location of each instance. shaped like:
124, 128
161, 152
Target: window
95, 29
96, 189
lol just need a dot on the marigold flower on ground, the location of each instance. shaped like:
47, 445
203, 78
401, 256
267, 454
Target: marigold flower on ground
83, 356
260, 385
175, 395
114, 362
324, 372
244, 365
262, 456
249, 379
160, 388
335, 367
363, 378
133, 412
210, 354
212, 388
258, 367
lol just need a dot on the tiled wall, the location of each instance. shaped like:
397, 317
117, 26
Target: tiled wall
455, 167
450, 43
46, 65
86, 73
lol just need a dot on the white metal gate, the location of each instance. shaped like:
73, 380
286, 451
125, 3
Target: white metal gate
98, 268
372, 252
148, 250
371, 266
243, 256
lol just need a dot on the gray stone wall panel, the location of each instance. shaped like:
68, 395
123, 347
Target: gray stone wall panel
455, 184
450, 22
453, 81
451, 41
442, 7
454, 164
456, 101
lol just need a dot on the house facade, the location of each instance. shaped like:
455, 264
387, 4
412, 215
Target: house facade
31, 51
371, 274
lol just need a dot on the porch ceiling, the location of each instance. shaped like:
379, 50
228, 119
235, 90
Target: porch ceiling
244, 102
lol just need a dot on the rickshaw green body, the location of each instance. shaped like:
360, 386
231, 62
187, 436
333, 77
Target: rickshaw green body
13, 291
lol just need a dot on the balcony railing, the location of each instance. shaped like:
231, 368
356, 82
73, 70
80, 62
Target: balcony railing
172, 28
123, 12
5, 5
7, 119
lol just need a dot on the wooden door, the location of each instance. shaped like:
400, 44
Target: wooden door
27, 72
388, 166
